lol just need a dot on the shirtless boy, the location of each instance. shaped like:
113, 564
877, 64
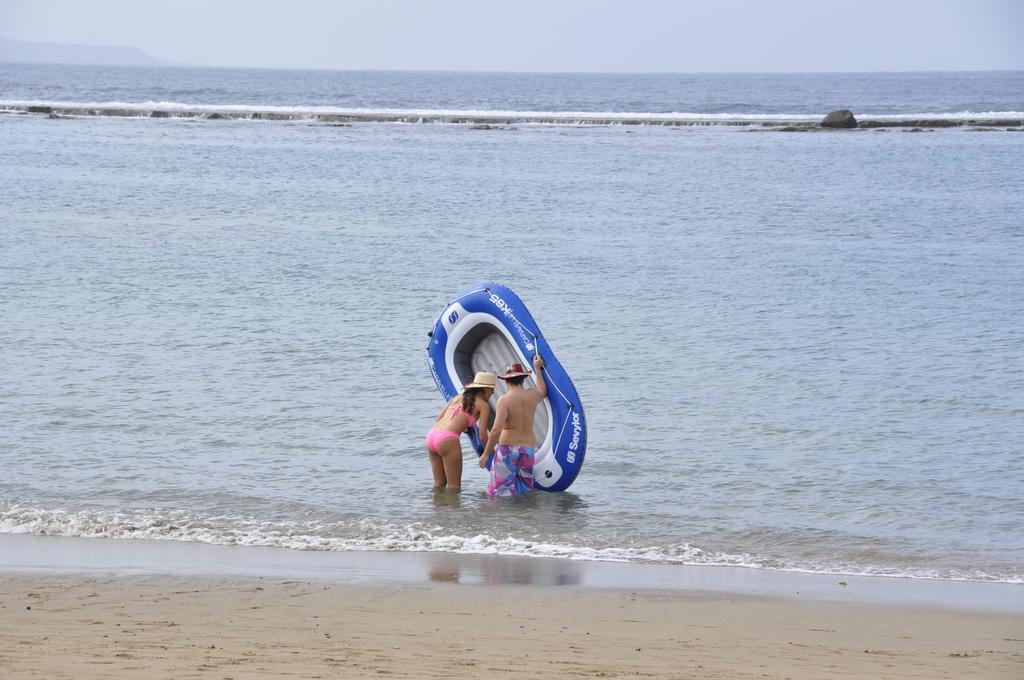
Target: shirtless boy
511, 438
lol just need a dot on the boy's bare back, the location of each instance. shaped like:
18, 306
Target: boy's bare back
513, 417
520, 407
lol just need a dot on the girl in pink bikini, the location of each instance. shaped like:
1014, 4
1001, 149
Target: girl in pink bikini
462, 412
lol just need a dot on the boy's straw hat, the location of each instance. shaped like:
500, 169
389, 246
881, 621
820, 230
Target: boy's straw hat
513, 371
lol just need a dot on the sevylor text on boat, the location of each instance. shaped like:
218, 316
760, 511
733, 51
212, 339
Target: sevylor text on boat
486, 327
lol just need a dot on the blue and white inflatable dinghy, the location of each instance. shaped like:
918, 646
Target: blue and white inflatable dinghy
486, 327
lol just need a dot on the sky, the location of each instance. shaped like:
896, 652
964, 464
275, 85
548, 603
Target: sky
543, 36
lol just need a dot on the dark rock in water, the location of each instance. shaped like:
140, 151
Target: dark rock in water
267, 115
334, 118
923, 122
160, 114
800, 127
57, 116
40, 109
998, 122
839, 119
215, 116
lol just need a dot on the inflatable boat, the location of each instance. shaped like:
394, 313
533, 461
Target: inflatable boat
486, 327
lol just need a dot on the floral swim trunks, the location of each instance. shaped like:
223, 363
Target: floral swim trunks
511, 470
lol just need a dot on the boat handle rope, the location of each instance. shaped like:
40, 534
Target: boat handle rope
562, 431
551, 382
568, 416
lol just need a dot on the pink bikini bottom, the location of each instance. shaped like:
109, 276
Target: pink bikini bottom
436, 436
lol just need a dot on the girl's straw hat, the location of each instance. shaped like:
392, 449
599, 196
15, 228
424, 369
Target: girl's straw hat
483, 379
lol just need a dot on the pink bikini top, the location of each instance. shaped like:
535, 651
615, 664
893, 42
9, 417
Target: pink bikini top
458, 409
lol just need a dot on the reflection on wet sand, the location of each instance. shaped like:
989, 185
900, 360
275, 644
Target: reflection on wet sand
502, 570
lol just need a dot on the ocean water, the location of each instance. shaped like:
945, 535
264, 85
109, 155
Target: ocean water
795, 351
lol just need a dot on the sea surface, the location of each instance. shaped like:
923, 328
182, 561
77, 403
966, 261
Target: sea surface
796, 351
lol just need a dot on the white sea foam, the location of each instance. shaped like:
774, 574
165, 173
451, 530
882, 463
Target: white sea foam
369, 535
334, 110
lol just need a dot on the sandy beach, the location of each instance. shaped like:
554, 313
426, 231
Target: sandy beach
186, 626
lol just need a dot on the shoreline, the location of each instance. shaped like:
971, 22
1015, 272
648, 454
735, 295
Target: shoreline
486, 120
34, 554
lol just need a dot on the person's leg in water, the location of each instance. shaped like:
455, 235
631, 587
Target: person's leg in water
437, 467
450, 453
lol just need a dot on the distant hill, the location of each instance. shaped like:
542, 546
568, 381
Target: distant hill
22, 52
